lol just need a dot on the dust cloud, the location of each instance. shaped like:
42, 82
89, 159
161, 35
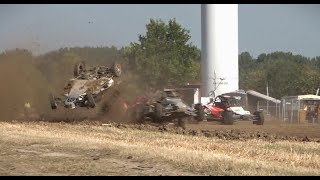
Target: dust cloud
26, 82
23, 89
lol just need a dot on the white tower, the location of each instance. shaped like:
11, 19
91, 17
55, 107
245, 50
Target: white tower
219, 55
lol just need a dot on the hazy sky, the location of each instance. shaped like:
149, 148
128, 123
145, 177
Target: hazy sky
262, 28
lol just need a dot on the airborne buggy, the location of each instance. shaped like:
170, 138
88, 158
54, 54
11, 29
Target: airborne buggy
87, 86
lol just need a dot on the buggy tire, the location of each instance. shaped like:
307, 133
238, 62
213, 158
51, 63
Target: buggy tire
117, 69
182, 123
138, 114
52, 101
260, 118
90, 99
157, 112
199, 112
227, 118
79, 67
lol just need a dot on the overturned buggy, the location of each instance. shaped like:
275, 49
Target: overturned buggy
87, 86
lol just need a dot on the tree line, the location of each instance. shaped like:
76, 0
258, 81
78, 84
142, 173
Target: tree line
284, 73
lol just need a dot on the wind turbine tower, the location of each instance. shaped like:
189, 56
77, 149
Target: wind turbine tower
219, 48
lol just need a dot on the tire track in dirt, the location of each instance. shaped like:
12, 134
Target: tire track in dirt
299, 133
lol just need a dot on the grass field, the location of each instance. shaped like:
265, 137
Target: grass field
66, 149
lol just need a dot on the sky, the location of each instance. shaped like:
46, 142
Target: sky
262, 28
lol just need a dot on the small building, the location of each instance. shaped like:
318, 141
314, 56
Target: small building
258, 101
300, 109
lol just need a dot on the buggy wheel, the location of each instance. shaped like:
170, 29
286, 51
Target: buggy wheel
200, 112
260, 118
158, 112
90, 99
182, 123
117, 69
52, 101
138, 114
79, 67
227, 118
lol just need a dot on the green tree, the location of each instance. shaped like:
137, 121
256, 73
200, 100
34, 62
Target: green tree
245, 59
164, 56
285, 73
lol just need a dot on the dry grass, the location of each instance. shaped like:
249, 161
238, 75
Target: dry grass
201, 155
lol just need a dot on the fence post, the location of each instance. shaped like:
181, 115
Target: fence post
299, 111
276, 111
284, 110
291, 111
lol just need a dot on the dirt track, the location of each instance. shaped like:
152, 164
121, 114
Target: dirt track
287, 131
239, 131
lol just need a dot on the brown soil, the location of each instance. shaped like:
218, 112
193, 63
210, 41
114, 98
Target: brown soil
271, 131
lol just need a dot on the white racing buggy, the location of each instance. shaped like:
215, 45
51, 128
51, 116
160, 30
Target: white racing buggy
238, 100
87, 86
243, 114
